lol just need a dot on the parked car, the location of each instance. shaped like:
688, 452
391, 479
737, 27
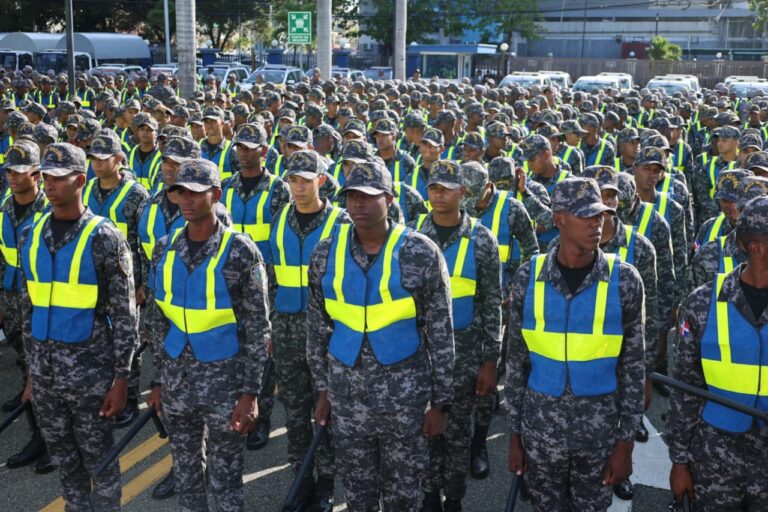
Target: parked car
559, 78
274, 73
379, 73
590, 83
626, 82
669, 84
525, 79
223, 69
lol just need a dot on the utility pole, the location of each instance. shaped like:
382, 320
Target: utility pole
186, 46
324, 38
584, 28
657, 24
401, 24
168, 57
70, 21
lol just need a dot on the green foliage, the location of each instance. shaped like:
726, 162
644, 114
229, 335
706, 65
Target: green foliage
760, 8
662, 49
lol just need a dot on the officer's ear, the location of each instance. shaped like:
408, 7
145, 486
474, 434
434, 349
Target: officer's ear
216, 196
559, 220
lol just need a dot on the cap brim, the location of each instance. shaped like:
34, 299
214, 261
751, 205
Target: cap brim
217, 118
447, 184
727, 195
608, 186
193, 187
100, 156
146, 124
371, 191
176, 158
249, 145
354, 160
355, 131
652, 162
21, 168
591, 210
307, 175
299, 144
430, 142
60, 171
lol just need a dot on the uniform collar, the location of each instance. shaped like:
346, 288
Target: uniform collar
69, 235
551, 272
181, 246
618, 240
464, 229
733, 293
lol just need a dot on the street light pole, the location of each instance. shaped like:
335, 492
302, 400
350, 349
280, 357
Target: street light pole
168, 58
584, 28
69, 18
657, 24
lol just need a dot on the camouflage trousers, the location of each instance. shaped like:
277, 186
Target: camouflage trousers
294, 382
380, 456
741, 483
77, 440
484, 405
12, 329
198, 400
449, 452
561, 480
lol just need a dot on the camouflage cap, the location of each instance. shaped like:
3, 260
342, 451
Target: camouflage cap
589, 120
181, 149
371, 178
751, 140
35, 108
580, 197
355, 126
474, 140
750, 188
14, 120
73, 120
197, 175
627, 188
754, 217
105, 144
475, 177
433, 137
446, 173
171, 130
657, 141
298, 135
533, 145
133, 105
144, 119
180, 111
502, 170
23, 156
414, 120
7, 104
476, 108
549, 132
651, 155
87, 128
662, 123
61, 159
25, 130
627, 135
728, 183
729, 132
250, 135
45, 133
727, 119
313, 110
572, 126
445, 117
326, 130
304, 163
385, 126
757, 160
605, 175
356, 151
195, 118
213, 113
345, 112
497, 130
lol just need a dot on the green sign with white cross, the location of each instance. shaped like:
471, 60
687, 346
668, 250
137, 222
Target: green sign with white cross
299, 28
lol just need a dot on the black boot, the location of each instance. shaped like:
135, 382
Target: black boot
44, 465
259, 436
323, 501
625, 490
452, 505
431, 502
478, 454
34, 449
130, 413
166, 488
13, 403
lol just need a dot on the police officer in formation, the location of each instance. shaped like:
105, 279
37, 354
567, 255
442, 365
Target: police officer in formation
665, 181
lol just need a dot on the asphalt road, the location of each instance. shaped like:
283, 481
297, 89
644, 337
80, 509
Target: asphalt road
267, 476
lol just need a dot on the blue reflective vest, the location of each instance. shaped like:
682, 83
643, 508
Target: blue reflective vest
290, 259
9, 237
197, 304
577, 340
112, 207
547, 236
254, 216
145, 172
734, 359
63, 287
627, 252
496, 218
221, 158
152, 226
370, 304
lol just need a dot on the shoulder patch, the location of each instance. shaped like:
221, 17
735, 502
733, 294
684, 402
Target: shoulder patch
259, 276
126, 262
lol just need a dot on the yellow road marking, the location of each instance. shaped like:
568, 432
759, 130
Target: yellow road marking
127, 461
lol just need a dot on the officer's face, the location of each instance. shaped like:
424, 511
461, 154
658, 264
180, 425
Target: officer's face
538, 163
198, 131
429, 152
195, 206
62, 191
584, 233
572, 139
726, 145
21, 182
472, 154
146, 134
367, 211
385, 140
212, 127
249, 158
647, 176
107, 167
305, 191
630, 148
610, 198
730, 210
445, 200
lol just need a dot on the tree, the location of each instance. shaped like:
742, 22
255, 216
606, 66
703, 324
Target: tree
662, 49
760, 8
452, 18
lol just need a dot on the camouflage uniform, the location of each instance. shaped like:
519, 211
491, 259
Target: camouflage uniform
705, 206
475, 345
71, 380
198, 397
378, 410
568, 438
741, 483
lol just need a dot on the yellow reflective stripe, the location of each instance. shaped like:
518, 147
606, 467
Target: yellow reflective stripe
397, 170
223, 154
617, 163
601, 298
716, 225
415, 177
329, 222
462, 286
88, 190
149, 246
712, 181
338, 269
680, 149
727, 260
600, 152
567, 153
122, 226
420, 220
336, 170
645, 219
386, 273
503, 249
624, 250
663, 203
296, 276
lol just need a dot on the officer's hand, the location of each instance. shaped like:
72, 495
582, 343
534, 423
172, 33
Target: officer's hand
486, 379
116, 399
322, 408
141, 297
435, 422
520, 179
619, 465
269, 347
517, 462
154, 399
681, 481
26, 396
244, 416
648, 392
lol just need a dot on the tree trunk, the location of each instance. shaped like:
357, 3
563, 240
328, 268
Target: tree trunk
401, 23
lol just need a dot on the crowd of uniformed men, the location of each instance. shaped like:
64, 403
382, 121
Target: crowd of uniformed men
389, 248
